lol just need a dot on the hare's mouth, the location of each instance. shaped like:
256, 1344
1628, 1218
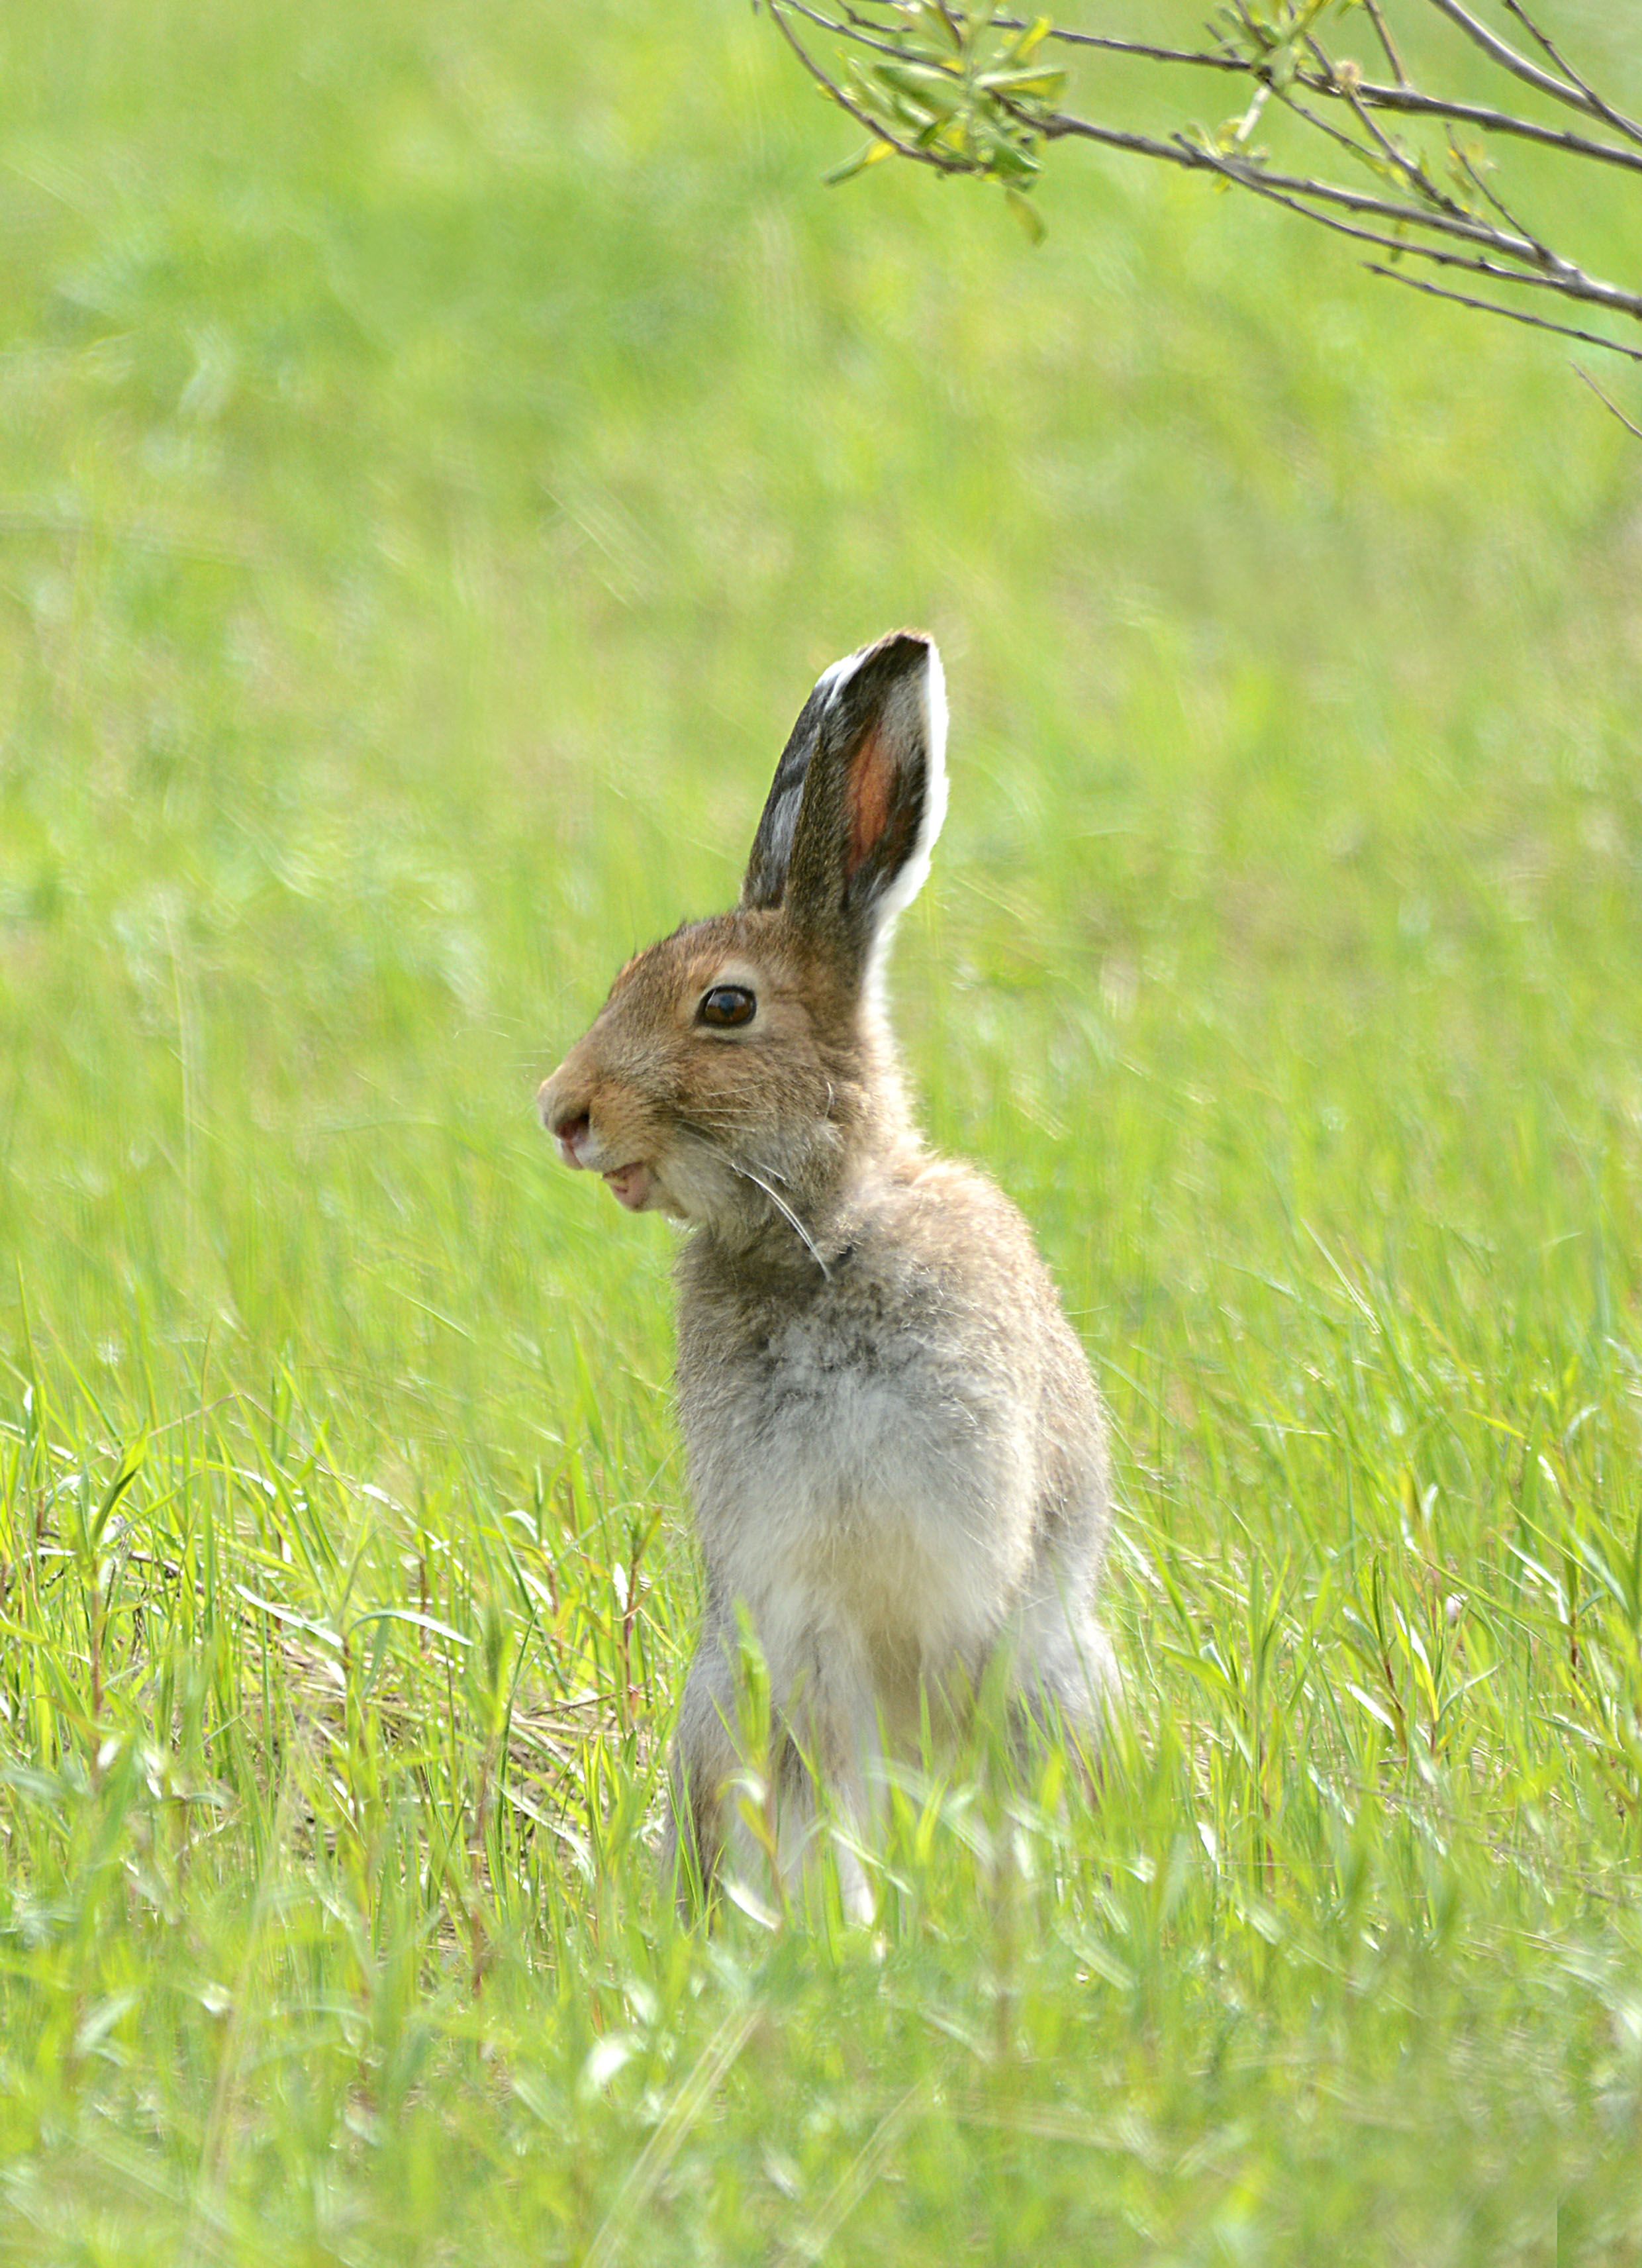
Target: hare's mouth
630, 1185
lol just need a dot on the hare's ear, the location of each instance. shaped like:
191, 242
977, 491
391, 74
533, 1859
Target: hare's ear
765, 882
858, 797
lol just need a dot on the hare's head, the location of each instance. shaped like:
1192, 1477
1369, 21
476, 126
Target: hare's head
736, 1064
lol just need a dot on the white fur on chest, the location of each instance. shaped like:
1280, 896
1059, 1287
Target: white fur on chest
850, 1490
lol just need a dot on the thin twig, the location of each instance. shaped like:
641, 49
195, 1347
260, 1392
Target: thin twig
1305, 192
1476, 264
1404, 97
1560, 90
1493, 198
860, 31
1488, 119
1603, 109
1513, 314
1195, 157
1384, 32
1208, 58
1564, 276
1409, 169
1528, 279
1606, 402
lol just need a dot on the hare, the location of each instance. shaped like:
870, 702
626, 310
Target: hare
895, 1450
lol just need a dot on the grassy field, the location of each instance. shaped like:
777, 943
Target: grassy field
438, 448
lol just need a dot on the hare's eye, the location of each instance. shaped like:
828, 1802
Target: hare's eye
725, 1006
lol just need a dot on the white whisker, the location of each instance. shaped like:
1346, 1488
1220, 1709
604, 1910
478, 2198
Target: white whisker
747, 1174
781, 1204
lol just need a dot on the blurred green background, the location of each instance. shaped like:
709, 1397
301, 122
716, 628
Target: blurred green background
437, 451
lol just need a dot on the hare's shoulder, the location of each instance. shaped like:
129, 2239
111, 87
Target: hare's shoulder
953, 1227
963, 1238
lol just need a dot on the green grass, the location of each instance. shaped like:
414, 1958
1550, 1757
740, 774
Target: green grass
437, 450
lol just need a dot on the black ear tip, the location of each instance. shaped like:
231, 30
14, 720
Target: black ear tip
897, 656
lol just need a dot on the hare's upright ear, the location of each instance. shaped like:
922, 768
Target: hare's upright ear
857, 800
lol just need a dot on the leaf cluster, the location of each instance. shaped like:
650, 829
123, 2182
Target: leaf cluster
956, 86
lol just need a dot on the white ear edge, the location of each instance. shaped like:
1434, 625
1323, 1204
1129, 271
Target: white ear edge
915, 872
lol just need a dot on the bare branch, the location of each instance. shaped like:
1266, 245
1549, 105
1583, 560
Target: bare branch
1404, 96
1195, 157
1224, 59
1491, 196
1603, 109
1333, 83
1581, 287
1513, 314
1560, 90
1395, 61
948, 83
1489, 121
1607, 400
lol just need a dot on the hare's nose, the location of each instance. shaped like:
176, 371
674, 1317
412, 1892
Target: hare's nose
570, 1129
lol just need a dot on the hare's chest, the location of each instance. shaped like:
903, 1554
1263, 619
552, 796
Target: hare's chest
834, 1472
817, 1413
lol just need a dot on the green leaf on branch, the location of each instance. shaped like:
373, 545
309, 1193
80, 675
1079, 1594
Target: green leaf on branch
944, 31
924, 83
1027, 213
1045, 85
1030, 40
870, 155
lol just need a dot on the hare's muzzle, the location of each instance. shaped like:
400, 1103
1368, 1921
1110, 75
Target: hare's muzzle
568, 1116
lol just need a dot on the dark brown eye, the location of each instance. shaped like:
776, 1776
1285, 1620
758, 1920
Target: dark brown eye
725, 1006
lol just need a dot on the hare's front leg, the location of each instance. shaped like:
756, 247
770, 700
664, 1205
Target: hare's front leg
831, 1741
702, 1765
824, 1726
